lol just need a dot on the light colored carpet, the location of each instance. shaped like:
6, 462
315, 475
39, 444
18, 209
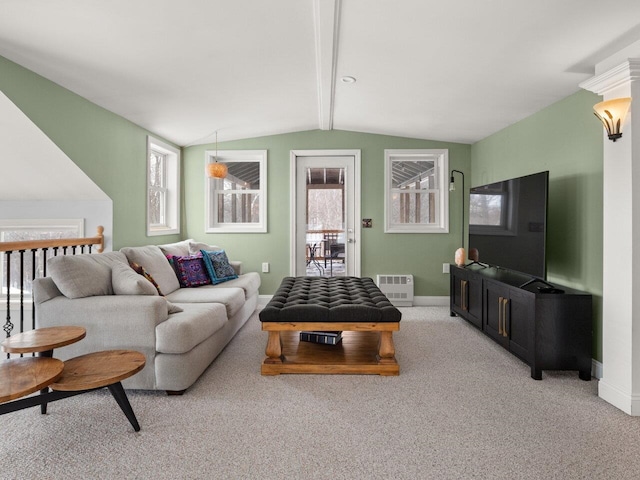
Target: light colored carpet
461, 408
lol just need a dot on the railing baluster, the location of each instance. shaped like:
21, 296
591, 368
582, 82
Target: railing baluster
34, 262
21, 291
44, 262
8, 326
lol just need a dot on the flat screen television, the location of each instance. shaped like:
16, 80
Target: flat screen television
508, 224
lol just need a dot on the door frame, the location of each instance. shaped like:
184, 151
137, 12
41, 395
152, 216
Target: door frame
294, 154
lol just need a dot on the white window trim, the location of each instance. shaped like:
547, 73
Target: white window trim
223, 156
173, 169
442, 167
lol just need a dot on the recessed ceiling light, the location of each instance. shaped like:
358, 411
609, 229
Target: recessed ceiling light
348, 80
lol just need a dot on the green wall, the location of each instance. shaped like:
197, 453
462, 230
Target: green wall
108, 148
565, 139
419, 254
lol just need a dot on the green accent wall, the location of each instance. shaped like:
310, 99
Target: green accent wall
108, 148
419, 254
566, 139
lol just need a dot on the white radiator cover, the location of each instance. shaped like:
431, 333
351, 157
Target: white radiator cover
397, 288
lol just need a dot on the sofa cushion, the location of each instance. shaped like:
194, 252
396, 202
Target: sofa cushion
218, 266
249, 282
232, 298
78, 276
183, 331
190, 270
180, 249
154, 261
126, 281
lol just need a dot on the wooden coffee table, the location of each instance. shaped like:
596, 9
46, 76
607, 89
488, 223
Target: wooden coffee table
22, 376
43, 340
102, 369
366, 348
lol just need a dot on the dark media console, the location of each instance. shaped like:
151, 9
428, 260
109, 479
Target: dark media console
547, 327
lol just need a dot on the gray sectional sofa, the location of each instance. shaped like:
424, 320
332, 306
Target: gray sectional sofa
179, 333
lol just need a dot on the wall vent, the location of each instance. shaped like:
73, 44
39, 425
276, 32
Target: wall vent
397, 288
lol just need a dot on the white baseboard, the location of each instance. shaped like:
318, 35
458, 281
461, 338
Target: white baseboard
628, 403
431, 301
264, 299
596, 369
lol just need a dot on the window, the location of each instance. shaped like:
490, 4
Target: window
31, 229
415, 198
163, 188
237, 203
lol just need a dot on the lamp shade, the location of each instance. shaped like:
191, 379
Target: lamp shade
217, 170
612, 114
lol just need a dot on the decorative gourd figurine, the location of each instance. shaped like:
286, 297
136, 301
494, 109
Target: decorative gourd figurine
460, 257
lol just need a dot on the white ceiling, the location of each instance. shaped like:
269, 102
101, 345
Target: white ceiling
453, 70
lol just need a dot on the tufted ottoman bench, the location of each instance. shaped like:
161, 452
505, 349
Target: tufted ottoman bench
353, 305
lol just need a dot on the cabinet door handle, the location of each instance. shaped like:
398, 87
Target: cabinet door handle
505, 302
500, 315
463, 285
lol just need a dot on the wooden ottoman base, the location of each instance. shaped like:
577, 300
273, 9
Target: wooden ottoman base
366, 348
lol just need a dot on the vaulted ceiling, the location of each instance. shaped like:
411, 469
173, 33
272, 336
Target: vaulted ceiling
455, 70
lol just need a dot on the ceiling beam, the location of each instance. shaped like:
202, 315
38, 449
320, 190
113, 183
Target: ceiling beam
326, 19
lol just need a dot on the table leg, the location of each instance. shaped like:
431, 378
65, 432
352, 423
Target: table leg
386, 349
121, 397
274, 348
45, 390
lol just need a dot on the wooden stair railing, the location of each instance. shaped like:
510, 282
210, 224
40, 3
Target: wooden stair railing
35, 246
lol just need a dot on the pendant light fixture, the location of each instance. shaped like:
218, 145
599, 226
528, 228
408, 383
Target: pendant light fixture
216, 169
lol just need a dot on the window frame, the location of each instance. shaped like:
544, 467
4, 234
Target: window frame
171, 190
234, 156
440, 157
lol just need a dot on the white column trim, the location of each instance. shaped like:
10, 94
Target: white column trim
614, 78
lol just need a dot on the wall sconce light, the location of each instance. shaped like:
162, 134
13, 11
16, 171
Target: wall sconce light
217, 169
460, 253
612, 114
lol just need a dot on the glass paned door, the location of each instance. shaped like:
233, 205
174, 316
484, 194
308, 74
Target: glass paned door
325, 216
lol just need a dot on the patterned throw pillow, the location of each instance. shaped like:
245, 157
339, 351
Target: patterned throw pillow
191, 271
140, 270
218, 266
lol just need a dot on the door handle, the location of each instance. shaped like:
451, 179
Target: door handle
351, 240
463, 288
505, 302
500, 312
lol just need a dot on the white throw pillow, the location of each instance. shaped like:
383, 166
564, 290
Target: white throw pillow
195, 247
178, 249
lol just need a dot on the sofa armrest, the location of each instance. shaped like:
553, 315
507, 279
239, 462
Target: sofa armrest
111, 321
237, 266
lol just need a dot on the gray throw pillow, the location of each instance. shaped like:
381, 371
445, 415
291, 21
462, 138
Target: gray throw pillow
126, 281
155, 262
173, 308
87, 275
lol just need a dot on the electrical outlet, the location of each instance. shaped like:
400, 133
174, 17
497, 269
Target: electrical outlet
265, 267
445, 268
